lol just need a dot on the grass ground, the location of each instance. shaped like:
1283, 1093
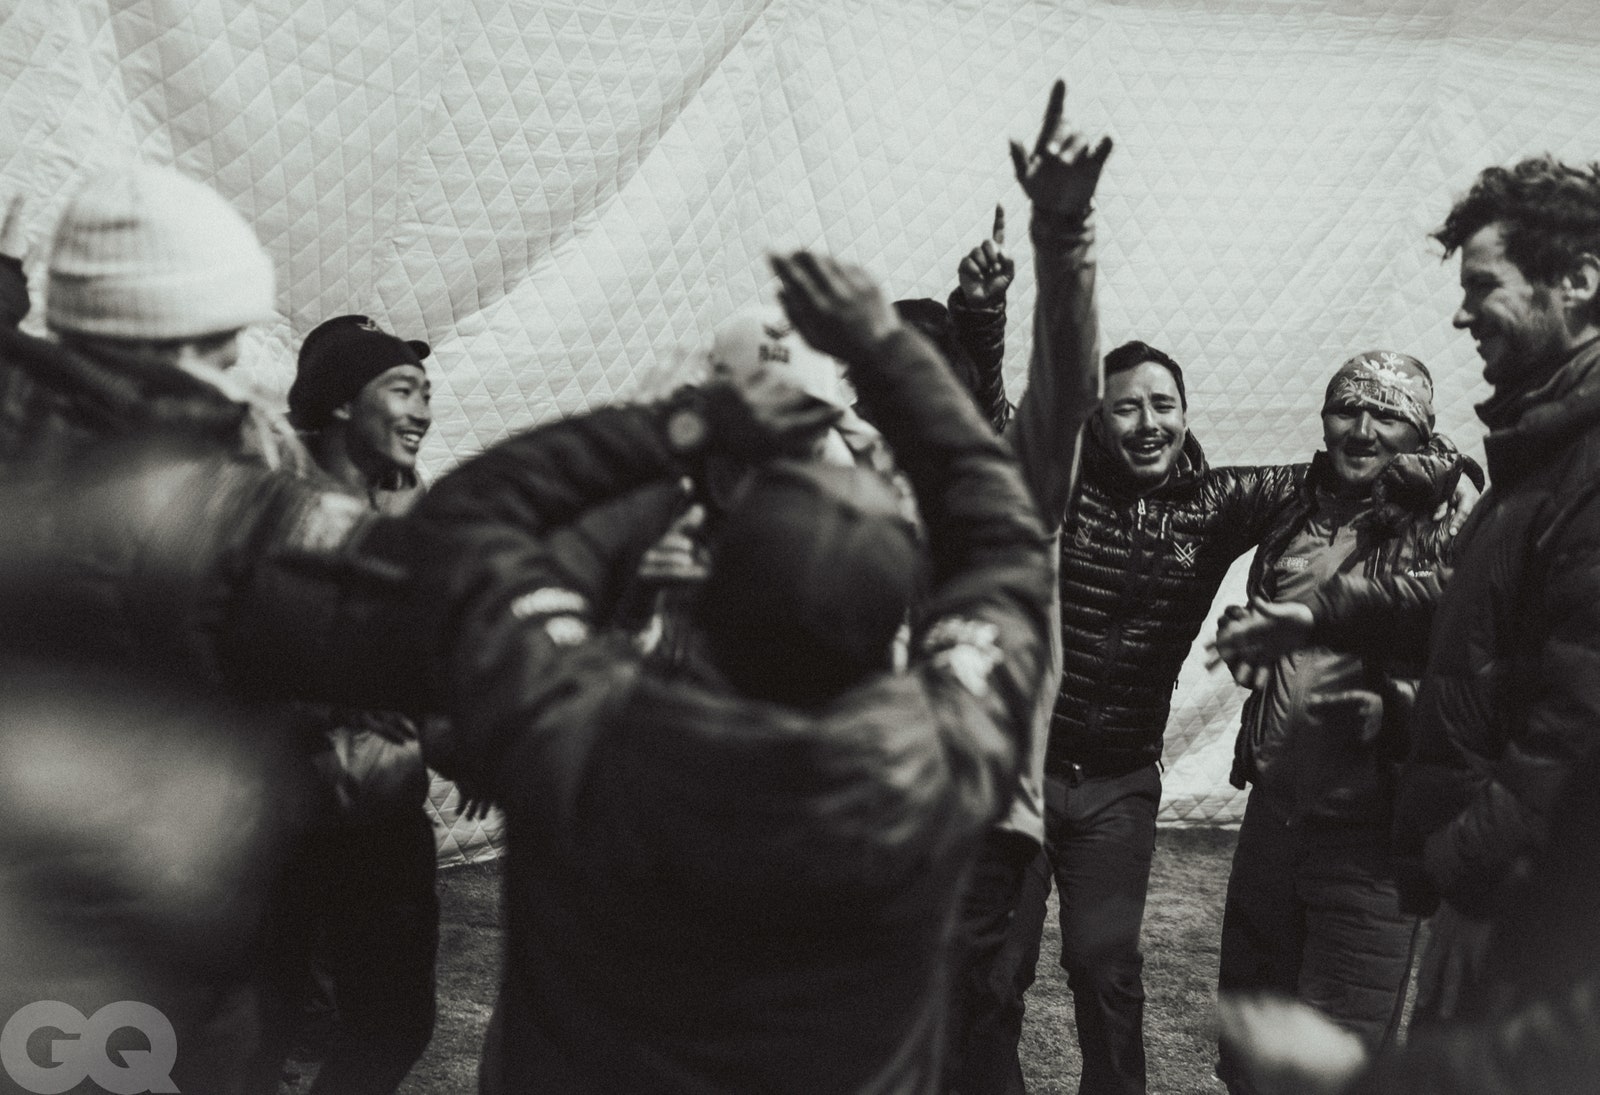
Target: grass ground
1181, 928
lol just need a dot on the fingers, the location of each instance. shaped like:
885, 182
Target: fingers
817, 279
998, 233
1101, 151
1242, 674
1019, 161
1052, 117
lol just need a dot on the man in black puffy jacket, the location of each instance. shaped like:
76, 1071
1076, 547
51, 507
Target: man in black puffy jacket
1149, 536
1510, 702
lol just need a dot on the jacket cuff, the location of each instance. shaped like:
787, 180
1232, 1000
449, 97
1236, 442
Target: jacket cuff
993, 312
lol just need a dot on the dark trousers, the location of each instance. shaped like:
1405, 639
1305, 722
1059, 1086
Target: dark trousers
361, 912
1313, 913
996, 965
1100, 835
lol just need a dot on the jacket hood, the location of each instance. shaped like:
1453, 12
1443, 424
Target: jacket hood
1526, 425
1102, 465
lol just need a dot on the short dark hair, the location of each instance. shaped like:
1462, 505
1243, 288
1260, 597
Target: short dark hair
1550, 212
1135, 353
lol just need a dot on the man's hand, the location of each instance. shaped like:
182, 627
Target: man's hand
1465, 497
678, 556
836, 307
1061, 173
1251, 640
986, 273
1286, 1048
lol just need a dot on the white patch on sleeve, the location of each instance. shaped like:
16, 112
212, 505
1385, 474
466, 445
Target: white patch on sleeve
549, 601
967, 649
566, 630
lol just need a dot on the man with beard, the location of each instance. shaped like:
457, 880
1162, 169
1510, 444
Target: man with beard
1510, 702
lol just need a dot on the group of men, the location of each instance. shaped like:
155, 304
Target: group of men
789, 759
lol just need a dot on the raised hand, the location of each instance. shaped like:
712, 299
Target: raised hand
986, 273
1061, 173
836, 307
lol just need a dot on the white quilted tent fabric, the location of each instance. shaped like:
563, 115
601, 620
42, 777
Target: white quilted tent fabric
564, 196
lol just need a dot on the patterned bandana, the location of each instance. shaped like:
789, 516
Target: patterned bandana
1382, 380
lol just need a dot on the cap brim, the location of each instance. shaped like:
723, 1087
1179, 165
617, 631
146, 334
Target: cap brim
419, 347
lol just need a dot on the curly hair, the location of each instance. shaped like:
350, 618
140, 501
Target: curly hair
1550, 212
1135, 353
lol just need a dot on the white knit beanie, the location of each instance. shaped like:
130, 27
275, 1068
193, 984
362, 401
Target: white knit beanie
145, 252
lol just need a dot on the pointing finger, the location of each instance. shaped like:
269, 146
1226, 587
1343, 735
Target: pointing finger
999, 233
1052, 116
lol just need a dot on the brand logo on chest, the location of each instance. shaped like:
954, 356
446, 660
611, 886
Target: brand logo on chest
1186, 554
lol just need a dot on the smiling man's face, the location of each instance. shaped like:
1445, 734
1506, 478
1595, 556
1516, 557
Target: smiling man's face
391, 415
1518, 324
1144, 422
1361, 441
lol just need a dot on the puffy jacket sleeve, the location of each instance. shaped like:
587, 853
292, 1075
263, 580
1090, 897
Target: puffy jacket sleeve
1247, 503
982, 333
535, 542
1065, 383
1556, 687
981, 637
1375, 614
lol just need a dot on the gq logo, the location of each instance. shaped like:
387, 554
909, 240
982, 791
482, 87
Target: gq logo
81, 1052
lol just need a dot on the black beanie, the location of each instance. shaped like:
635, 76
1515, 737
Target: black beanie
339, 358
812, 572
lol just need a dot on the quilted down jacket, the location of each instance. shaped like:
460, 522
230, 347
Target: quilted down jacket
1511, 698
1350, 779
707, 893
1138, 575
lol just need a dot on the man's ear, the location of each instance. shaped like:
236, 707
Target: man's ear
1580, 286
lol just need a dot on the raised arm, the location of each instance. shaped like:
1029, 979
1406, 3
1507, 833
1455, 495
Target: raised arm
987, 547
1064, 377
978, 313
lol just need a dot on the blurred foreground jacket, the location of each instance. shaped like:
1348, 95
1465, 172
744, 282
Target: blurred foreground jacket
141, 826
709, 893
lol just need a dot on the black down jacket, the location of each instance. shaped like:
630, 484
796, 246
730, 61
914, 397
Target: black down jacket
1138, 575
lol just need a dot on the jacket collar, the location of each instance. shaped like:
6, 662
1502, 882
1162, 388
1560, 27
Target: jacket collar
1529, 427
